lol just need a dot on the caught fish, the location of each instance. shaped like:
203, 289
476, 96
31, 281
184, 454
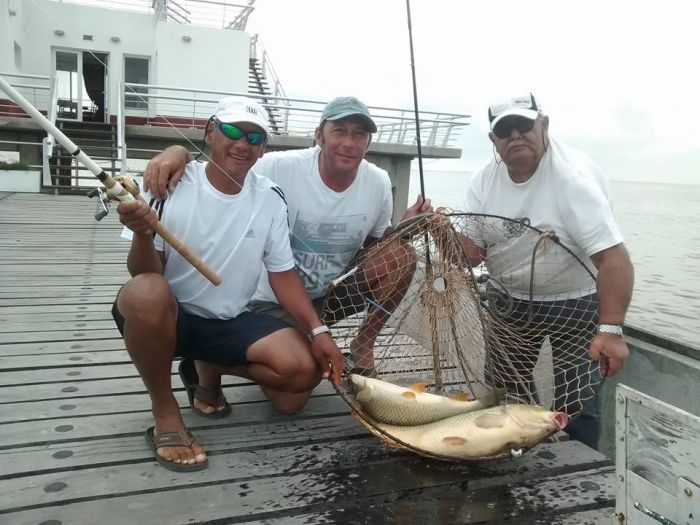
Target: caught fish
398, 405
485, 433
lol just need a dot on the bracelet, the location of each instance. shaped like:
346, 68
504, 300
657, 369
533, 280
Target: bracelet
318, 330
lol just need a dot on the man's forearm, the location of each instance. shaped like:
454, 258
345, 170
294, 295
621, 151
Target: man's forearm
180, 150
614, 283
143, 257
292, 296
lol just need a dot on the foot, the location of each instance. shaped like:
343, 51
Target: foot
362, 354
210, 382
178, 455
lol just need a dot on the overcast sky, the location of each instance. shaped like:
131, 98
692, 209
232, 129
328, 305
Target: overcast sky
619, 79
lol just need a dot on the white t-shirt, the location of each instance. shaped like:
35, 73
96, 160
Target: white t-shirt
233, 234
327, 227
567, 194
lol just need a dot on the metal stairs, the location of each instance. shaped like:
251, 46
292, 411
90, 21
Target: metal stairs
98, 140
259, 86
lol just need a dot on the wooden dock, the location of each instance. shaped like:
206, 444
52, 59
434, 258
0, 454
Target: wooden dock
73, 412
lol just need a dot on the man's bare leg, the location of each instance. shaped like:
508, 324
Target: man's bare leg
388, 274
150, 313
281, 363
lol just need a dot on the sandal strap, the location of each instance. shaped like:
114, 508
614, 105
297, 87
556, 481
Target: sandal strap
183, 438
210, 397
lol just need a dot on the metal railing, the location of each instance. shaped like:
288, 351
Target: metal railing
172, 106
221, 14
35, 88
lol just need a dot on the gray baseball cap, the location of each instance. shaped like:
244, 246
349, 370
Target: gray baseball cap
343, 107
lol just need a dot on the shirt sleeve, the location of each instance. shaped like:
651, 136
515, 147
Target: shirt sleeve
473, 226
386, 211
588, 215
277, 256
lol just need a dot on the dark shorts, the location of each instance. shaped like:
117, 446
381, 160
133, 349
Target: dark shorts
220, 341
348, 298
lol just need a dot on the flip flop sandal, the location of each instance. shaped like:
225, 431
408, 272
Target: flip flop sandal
184, 438
190, 379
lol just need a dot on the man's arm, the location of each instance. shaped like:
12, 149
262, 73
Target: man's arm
140, 219
614, 285
292, 296
165, 170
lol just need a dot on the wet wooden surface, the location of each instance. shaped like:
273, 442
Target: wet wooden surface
73, 412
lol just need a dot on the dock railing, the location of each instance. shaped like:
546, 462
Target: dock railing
182, 107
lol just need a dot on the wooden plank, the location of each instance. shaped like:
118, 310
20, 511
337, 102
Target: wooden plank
72, 389
255, 452
58, 335
73, 347
46, 362
106, 424
36, 318
82, 325
243, 498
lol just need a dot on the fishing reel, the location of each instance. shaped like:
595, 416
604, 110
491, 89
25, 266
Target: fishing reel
105, 195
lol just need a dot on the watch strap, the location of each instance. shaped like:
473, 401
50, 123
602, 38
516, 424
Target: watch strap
614, 329
318, 330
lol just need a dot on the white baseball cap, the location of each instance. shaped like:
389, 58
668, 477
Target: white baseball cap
522, 106
235, 109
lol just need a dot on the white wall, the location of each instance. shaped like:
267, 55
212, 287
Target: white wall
213, 59
200, 63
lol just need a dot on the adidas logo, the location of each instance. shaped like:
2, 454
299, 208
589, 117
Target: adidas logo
250, 234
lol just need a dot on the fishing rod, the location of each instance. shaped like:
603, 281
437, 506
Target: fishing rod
415, 102
115, 189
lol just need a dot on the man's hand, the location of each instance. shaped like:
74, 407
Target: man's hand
613, 351
138, 216
328, 357
420, 206
164, 171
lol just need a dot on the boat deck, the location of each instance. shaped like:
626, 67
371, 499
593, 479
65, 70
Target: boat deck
73, 413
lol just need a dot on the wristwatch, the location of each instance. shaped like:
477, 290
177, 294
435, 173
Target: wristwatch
614, 329
318, 330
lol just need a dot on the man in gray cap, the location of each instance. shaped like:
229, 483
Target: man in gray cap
338, 204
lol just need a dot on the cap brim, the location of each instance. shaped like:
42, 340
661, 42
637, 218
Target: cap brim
530, 114
235, 118
371, 126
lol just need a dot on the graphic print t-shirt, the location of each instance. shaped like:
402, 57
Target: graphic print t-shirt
327, 228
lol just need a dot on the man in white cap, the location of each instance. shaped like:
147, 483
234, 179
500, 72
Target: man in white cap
338, 204
542, 183
237, 222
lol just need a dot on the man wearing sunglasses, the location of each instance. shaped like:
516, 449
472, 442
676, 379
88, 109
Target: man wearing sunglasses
237, 222
552, 187
338, 204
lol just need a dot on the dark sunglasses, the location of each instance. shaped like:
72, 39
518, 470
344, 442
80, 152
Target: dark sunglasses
254, 138
505, 127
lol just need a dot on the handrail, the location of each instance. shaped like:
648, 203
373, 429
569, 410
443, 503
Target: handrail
121, 133
187, 107
221, 14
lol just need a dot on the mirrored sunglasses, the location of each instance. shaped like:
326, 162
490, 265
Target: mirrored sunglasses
254, 138
505, 127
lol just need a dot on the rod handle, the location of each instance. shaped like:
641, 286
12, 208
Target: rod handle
188, 254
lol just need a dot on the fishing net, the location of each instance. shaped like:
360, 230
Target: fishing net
420, 307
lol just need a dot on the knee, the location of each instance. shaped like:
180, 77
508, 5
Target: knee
303, 375
290, 404
148, 299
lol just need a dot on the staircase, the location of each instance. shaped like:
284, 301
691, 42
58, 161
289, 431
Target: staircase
259, 86
98, 140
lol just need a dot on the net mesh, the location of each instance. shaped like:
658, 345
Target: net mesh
423, 306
